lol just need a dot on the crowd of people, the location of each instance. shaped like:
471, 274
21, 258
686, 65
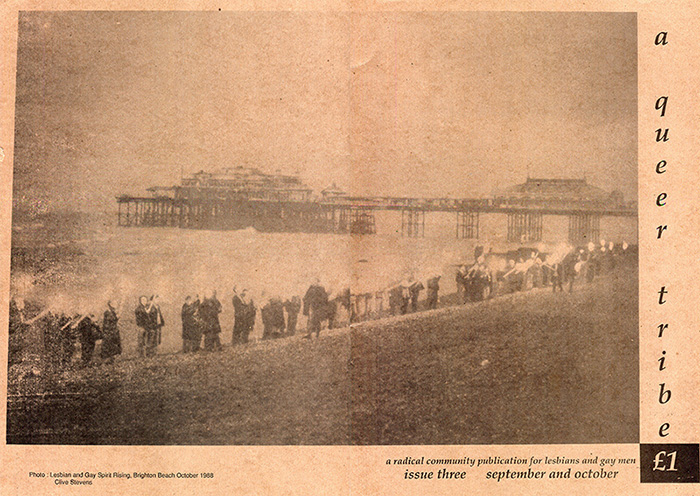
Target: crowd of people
529, 268
60, 332
490, 274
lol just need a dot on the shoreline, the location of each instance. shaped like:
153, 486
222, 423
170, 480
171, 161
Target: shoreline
409, 379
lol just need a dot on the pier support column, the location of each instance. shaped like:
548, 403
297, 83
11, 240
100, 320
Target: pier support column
413, 223
524, 227
467, 225
355, 221
362, 221
137, 213
584, 228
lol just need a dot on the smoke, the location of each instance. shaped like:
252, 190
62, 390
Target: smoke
558, 254
21, 285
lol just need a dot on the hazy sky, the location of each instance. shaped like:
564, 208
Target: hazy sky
424, 104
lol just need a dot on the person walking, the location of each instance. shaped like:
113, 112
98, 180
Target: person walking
111, 339
191, 336
209, 311
432, 292
315, 307
150, 319
292, 306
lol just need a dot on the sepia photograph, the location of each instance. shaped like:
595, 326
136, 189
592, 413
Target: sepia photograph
324, 228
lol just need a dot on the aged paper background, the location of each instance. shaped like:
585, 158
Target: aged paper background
672, 70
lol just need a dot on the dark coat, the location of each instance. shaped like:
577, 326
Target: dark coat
89, 332
266, 315
270, 314
67, 339
277, 309
568, 265
142, 319
395, 298
240, 314
251, 312
149, 320
190, 323
293, 306
315, 300
111, 340
209, 311
345, 299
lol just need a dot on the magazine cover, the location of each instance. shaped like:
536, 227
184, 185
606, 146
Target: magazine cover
349, 248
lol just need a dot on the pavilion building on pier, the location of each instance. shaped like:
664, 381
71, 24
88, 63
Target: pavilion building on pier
538, 210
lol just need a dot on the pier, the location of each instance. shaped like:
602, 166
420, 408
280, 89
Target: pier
356, 215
